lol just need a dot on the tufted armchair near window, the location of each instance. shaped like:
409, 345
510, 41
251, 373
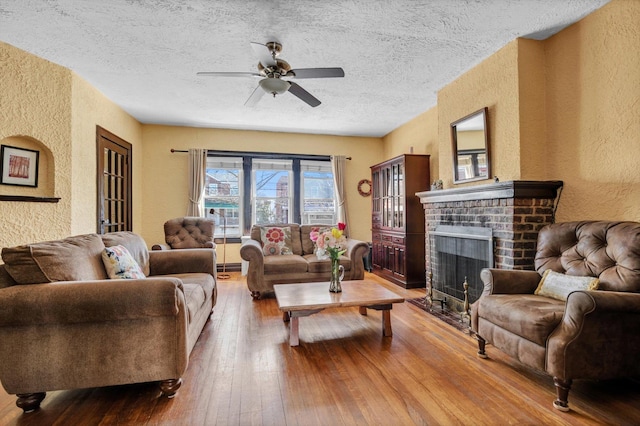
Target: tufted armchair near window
187, 232
590, 334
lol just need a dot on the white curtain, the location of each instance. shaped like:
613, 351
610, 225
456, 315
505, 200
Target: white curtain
197, 164
338, 163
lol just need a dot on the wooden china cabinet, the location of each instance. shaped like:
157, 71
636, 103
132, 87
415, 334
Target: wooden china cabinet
398, 237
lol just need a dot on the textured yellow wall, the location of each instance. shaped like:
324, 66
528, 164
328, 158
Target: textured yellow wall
421, 134
533, 125
90, 108
494, 84
593, 114
35, 101
49, 108
165, 174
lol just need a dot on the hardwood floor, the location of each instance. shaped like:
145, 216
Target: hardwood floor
243, 371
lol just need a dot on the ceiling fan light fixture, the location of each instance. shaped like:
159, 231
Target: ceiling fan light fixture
275, 86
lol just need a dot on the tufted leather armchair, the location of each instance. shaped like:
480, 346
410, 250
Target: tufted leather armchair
594, 334
187, 232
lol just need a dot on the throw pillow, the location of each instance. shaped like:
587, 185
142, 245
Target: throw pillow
74, 258
120, 264
558, 286
276, 241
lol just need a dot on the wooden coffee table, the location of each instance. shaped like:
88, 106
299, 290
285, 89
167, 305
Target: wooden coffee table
301, 300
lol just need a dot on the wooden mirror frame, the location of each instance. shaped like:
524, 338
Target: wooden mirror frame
473, 153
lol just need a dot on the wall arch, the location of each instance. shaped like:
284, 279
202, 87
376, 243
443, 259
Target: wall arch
46, 168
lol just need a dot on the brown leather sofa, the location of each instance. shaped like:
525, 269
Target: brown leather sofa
594, 334
65, 325
300, 267
187, 232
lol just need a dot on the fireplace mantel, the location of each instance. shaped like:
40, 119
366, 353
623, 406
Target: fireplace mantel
514, 210
509, 189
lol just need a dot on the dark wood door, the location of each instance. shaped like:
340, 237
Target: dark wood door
114, 182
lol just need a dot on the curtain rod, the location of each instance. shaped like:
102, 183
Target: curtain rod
237, 153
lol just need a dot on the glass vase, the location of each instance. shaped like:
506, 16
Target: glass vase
337, 273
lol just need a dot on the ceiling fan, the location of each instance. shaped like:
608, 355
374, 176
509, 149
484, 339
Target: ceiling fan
273, 69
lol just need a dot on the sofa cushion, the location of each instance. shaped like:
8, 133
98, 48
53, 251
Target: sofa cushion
529, 316
134, 243
285, 264
276, 240
119, 263
296, 244
324, 265
558, 286
77, 258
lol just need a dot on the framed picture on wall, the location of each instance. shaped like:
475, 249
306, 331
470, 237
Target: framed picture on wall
18, 166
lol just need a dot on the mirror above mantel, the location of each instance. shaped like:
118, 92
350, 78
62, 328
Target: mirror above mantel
470, 144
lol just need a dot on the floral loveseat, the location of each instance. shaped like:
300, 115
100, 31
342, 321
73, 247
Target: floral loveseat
64, 324
293, 260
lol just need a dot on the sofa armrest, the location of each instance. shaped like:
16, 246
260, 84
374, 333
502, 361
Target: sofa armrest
597, 337
356, 251
101, 301
251, 251
182, 261
509, 281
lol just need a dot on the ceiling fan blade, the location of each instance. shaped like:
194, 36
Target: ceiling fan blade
316, 72
229, 74
255, 96
263, 53
303, 95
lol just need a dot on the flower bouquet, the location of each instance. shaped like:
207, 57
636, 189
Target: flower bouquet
331, 244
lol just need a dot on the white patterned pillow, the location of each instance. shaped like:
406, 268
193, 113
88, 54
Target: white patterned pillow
276, 240
120, 264
558, 286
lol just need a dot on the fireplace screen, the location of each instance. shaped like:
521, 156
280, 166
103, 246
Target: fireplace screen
459, 253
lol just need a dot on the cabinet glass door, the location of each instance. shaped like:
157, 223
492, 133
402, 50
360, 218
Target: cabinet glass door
400, 196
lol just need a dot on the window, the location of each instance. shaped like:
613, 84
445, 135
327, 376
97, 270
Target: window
247, 188
318, 200
222, 195
271, 191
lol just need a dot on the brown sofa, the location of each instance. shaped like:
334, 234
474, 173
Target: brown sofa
301, 266
591, 335
64, 324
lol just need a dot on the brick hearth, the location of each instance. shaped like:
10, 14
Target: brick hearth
514, 210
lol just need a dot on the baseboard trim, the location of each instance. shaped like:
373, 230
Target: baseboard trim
230, 267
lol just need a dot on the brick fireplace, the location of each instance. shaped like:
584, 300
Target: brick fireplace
515, 211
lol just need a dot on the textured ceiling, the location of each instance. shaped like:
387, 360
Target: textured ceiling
144, 55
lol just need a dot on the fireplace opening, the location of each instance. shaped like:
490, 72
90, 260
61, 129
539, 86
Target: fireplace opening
458, 254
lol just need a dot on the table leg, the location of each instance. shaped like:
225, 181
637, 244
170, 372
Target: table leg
294, 338
294, 317
386, 323
386, 317
363, 310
